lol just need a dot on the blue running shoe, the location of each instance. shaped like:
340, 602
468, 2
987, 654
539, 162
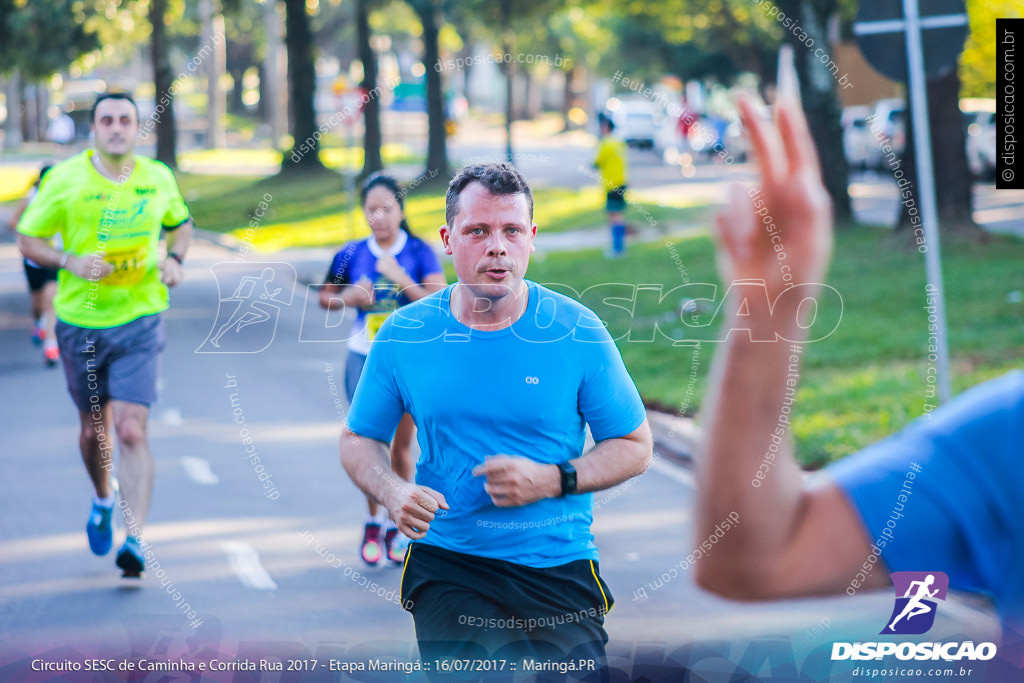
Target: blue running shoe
100, 530
129, 559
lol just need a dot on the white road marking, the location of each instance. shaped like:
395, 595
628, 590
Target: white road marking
171, 416
199, 471
674, 471
245, 561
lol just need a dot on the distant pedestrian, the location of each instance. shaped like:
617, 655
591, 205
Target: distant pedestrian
612, 162
42, 286
62, 127
689, 120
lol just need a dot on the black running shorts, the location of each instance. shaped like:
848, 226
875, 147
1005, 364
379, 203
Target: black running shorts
38, 277
506, 617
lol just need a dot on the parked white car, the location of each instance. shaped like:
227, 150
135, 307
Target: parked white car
857, 136
980, 124
637, 122
890, 116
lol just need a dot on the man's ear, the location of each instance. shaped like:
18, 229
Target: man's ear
446, 239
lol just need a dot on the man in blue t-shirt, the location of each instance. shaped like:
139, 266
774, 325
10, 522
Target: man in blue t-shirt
943, 495
501, 376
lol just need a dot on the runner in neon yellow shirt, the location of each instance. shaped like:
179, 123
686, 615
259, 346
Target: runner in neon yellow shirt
111, 208
611, 161
121, 223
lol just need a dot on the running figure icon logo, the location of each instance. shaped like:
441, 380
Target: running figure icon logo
249, 307
916, 596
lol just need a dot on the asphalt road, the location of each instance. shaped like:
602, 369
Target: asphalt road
246, 561
253, 567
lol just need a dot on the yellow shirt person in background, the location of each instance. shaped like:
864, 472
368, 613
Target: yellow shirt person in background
111, 208
611, 162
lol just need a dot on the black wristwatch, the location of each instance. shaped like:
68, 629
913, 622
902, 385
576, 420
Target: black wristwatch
568, 477
177, 257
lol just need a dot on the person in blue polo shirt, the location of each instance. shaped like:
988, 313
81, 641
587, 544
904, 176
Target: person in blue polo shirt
391, 268
502, 377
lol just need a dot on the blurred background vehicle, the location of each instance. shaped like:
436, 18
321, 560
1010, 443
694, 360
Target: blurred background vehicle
889, 116
980, 127
736, 143
637, 121
856, 136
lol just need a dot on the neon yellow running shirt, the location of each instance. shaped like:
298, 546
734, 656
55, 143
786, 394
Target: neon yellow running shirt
611, 161
122, 222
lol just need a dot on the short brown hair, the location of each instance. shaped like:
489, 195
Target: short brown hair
112, 96
500, 179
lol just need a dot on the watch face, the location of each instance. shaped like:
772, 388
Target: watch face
568, 478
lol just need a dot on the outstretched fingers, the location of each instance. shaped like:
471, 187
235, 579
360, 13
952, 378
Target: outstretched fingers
765, 139
796, 138
735, 226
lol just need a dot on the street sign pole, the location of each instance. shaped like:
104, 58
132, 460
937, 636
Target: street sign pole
877, 29
926, 183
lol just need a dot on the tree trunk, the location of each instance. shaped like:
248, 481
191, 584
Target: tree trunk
214, 66
266, 89
953, 197
12, 127
305, 153
239, 57
508, 69
437, 135
460, 23
42, 104
567, 98
236, 105
530, 107
372, 136
820, 102
163, 119
467, 73
271, 93
509, 107
29, 119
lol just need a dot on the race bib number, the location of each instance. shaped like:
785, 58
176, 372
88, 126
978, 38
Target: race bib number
373, 323
129, 265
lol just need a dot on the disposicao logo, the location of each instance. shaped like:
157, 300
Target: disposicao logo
917, 596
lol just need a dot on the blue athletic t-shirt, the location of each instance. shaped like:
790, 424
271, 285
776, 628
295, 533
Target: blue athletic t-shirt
526, 390
359, 259
964, 514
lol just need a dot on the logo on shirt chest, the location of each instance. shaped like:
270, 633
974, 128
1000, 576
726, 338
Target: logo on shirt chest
532, 380
115, 222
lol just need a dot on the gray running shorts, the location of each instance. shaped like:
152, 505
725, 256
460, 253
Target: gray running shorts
119, 363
